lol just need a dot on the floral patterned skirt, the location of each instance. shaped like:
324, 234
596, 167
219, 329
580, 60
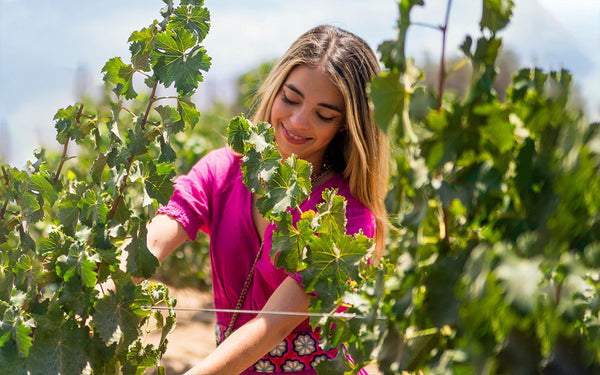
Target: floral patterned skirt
298, 353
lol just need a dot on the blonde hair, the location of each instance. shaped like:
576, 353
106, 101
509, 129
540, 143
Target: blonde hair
361, 152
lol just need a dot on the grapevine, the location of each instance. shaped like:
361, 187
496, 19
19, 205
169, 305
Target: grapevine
62, 232
494, 246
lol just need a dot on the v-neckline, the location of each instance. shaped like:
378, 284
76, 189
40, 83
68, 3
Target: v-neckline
253, 198
254, 216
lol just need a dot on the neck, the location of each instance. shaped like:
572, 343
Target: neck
318, 174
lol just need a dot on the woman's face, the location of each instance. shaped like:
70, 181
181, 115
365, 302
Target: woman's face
307, 113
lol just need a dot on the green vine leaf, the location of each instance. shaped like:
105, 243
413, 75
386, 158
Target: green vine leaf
158, 181
68, 215
194, 19
331, 217
79, 262
71, 124
258, 167
60, 350
261, 159
237, 133
14, 326
97, 169
289, 242
333, 261
496, 14
40, 182
111, 320
499, 130
119, 73
137, 140
289, 186
142, 42
189, 115
93, 209
143, 355
168, 115
387, 93
178, 59
339, 365
261, 136
167, 154
140, 262
117, 317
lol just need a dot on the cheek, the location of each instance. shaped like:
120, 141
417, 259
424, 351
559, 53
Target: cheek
328, 134
276, 112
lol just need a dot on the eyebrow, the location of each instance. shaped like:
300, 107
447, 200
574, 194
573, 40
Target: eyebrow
326, 105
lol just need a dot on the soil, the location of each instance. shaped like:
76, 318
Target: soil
194, 335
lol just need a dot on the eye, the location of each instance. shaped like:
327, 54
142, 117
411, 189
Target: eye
325, 118
286, 99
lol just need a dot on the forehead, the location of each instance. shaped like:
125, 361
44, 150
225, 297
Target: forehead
315, 85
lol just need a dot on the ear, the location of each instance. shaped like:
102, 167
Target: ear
343, 128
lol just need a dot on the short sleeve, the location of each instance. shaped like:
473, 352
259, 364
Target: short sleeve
192, 195
359, 218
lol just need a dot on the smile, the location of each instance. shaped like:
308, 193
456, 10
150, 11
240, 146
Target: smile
292, 137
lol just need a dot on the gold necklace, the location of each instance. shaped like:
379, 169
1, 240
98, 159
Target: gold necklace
324, 169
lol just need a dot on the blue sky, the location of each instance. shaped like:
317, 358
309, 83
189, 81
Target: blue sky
46, 44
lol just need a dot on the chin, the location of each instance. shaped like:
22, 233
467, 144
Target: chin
284, 154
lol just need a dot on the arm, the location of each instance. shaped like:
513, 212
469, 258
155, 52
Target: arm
165, 234
257, 337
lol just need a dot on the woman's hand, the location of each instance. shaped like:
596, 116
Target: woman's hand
256, 338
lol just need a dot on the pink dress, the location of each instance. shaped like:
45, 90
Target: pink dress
213, 198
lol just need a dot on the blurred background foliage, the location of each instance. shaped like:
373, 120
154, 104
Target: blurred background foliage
494, 240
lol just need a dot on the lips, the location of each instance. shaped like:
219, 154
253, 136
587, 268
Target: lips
293, 138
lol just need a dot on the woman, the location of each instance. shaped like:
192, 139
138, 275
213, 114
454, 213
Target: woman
315, 98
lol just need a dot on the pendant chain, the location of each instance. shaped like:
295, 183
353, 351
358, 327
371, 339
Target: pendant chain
324, 169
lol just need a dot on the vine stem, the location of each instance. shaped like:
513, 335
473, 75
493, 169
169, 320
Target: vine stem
442, 77
427, 25
63, 156
167, 97
130, 159
7, 182
149, 107
128, 111
113, 209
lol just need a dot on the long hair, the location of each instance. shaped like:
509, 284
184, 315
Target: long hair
361, 152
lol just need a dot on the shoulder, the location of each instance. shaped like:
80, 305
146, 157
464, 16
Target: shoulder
216, 162
213, 169
220, 157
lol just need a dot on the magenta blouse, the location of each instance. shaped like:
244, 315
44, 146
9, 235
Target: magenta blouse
213, 198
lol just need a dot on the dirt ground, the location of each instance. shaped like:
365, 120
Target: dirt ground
194, 336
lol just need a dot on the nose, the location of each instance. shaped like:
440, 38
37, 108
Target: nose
299, 118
